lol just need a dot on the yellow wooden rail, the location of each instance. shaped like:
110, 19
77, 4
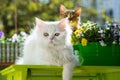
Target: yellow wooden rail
41, 72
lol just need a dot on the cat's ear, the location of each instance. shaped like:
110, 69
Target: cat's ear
63, 24
78, 11
62, 9
39, 22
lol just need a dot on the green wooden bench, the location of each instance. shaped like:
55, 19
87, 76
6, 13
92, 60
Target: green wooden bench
41, 72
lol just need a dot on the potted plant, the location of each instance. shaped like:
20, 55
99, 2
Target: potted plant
98, 45
10, 48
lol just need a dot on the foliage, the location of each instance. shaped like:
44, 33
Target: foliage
15, 38
22, 13
91, 32
26, 11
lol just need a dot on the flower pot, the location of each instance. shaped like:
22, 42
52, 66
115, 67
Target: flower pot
97, 55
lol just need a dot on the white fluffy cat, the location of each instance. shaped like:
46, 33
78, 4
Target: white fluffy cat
50, 44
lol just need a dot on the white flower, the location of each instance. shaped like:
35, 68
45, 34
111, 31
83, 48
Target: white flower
23, 35
102, 43
15, 38
101, 31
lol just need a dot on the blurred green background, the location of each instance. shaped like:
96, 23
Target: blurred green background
19, 15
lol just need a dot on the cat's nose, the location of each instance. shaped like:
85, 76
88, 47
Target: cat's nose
51, 38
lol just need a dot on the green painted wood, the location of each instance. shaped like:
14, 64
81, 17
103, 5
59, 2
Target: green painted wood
111, 76
41, 72
3, 77
96, 55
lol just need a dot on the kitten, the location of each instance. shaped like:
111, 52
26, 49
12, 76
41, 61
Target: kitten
50, 44
73, 16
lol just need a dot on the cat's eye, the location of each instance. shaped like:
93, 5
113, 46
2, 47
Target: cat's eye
57, 34
46, 34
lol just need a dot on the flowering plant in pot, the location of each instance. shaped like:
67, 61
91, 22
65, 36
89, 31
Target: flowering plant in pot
91, 32
98, 45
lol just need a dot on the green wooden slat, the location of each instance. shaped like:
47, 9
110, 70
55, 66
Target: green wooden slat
42, 72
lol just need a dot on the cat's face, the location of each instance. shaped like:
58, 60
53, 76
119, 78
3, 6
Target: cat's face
73, 16
52, 33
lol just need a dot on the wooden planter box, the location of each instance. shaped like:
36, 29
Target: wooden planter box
9, 52
97, 55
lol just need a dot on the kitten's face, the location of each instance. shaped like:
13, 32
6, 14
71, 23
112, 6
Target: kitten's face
73, 16
52, 33
70, 14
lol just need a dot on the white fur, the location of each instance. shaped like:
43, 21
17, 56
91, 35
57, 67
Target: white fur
39, 51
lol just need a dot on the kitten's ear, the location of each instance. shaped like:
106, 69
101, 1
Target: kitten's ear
78, 11
39, 22
63, 24
62, 9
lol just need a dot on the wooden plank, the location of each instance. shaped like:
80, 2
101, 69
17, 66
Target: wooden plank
36, 72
